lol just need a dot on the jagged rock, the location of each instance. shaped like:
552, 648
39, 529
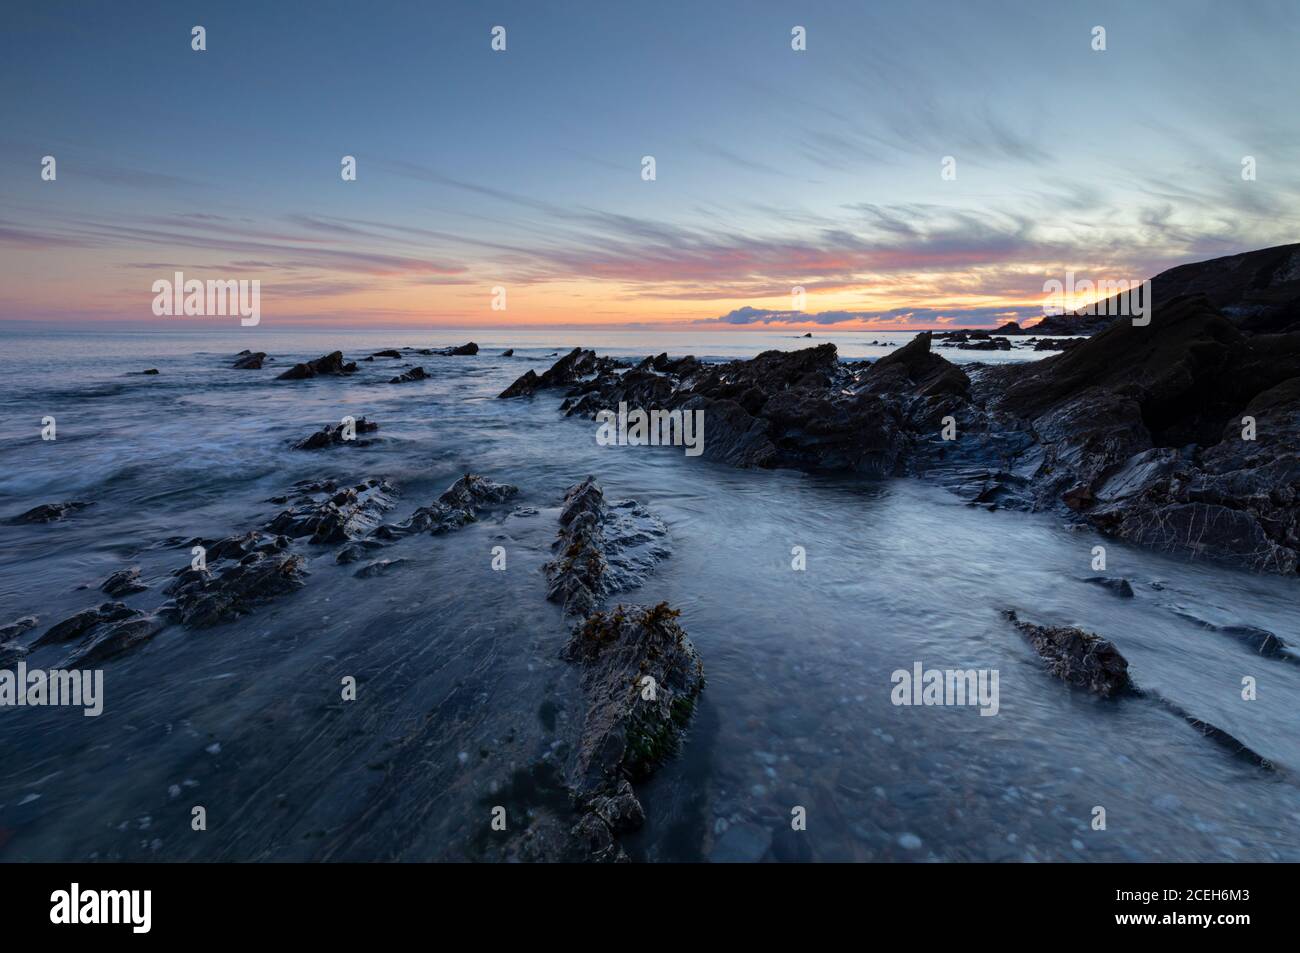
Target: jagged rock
463, 350
570, 369
603, 548
327, 513
457, 507
1119, 586
378, 568
78, 625
332, 435
207, 597
1077, 657
330, 364
113, 639
17, 627
50, 512
624, 734
249, 360
414, 374
124, 582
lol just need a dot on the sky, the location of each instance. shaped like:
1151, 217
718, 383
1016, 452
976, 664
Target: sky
775, 169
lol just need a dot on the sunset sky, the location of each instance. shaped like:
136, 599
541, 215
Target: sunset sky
522, 169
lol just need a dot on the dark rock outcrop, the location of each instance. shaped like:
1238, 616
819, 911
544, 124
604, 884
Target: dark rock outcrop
641, 677
124, 582
334, 435
568, 370
17, 628
78, 625
458, 506
414, 374
324, 512
249, 360
1077, 657
1117, 585
232, 587
330, 365
602, 548
51, 512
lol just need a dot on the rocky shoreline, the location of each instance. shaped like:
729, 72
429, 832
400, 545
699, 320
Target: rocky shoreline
1182, 435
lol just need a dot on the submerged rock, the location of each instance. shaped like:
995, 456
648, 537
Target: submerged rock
17, 627
330, 364
113, 639
76, 626
124, 582
10, 653
603, 548
1077, 657
457, 506
249, 360
51, 512
1119, 586
326, 513
378, 568
508, 352
333, 435
414, 374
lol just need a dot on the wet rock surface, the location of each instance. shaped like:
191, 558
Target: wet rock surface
234, 582
17, 627
249, 360
1077, 657
602, 548
331, 364
51, 512
458, 506
325, 512
406, 377
338, 435
124, 582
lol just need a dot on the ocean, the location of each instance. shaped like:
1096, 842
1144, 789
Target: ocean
460, 682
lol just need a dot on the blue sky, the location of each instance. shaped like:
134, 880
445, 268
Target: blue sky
775, 168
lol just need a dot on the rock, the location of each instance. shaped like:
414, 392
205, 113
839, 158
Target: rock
603, 548
388, 353
414, 374
249, 360
124, 582
10, 653
570, 369
51, 512
78, 625
378, 567
330, 364
333, 435
17, 628
149, 373
208, 597
326, 513
508, 352
458, 506
464, 349
1078, 657
625, 736
114, 639
357, 550
1120, 587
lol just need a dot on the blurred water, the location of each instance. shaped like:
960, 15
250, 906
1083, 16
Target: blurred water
458, 668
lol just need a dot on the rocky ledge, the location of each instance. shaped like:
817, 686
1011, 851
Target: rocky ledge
1181, 435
